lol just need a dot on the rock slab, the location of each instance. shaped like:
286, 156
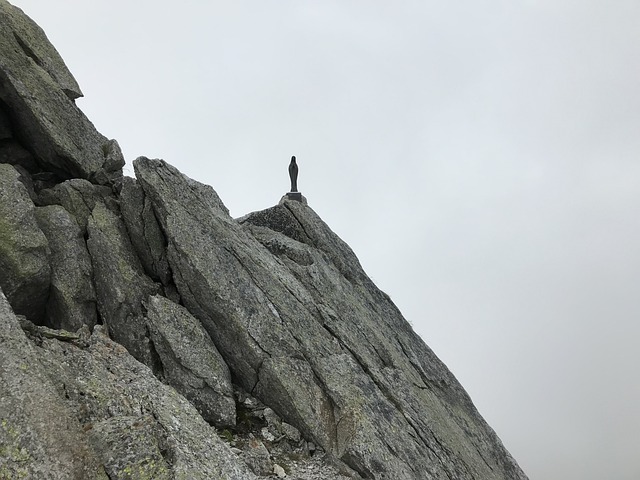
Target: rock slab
316, 340
190, 361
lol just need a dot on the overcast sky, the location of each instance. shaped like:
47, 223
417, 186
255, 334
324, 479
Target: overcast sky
482, 158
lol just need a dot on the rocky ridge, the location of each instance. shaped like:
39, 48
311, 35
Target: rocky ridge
144, 333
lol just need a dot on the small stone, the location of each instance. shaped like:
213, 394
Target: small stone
267, 435
272, 419
236, 450
257, 457
251, 403
279, 471
290, 432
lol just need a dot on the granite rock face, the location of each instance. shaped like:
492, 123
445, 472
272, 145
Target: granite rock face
147, 334
39, 90
121, 284
303, 328
78, 196
190, 361
72, 297
145, 233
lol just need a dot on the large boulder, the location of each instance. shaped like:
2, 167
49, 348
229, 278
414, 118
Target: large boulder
304, 329
72, 298
190, 361
25, 274
39, 435
121, 284
39, 91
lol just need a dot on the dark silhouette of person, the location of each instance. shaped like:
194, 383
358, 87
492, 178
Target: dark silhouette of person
293, 174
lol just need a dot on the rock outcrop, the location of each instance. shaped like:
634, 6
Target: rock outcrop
38, 92
147, 334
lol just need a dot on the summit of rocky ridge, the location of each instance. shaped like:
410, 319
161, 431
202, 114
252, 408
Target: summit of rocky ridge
145, 333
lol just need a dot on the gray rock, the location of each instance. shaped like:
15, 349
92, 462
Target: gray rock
34, 44
256, 455
27, 180
145, 233
274, 423
190, 361
267, 434
317, 341
78, 197
131, 416
25, 274
72, 298
39, 90
130, 447
39, 435
111, 171
407, 383
121, 285
189, 214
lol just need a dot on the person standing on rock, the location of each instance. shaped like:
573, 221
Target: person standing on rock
293, 174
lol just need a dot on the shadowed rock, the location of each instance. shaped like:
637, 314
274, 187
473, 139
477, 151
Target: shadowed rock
38, 91
121, 285
72, 298
25, 274
144, 231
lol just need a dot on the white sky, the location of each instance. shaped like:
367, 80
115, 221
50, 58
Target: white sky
480, 157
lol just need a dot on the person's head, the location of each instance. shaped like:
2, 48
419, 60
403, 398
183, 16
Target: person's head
293, 159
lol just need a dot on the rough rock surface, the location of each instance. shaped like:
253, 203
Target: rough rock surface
145, 233
190, 361
316, 340
139, 425
121, 285
39, 436
329, 381
39, 91
72, 297
25, 273
78, 197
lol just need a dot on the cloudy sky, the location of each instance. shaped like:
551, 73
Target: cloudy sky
481, 157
